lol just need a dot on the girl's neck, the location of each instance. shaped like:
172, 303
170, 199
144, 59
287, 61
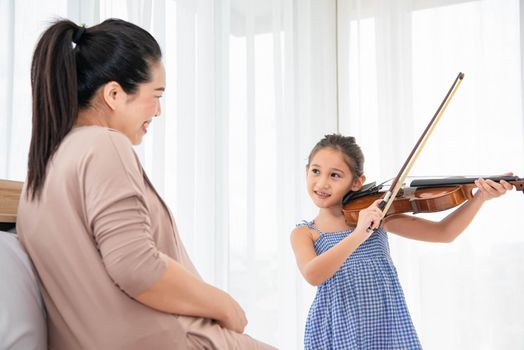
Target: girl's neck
331, 220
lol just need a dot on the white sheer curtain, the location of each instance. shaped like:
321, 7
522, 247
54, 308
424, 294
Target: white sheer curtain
251, 86
396, 62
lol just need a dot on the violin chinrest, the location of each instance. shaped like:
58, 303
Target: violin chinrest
367, 189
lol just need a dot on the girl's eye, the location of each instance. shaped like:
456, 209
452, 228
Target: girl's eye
315, 171
335, 175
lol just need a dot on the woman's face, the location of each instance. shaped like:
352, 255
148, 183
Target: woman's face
137, 111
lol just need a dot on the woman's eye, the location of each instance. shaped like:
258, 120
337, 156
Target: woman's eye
315, 171
335, 175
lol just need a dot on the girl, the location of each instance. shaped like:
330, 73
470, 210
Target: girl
359, 302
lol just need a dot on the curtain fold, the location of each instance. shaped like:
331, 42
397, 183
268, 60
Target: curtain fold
397, 60
7, 41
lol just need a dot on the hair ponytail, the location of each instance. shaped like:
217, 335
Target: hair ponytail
55, 103
65, 78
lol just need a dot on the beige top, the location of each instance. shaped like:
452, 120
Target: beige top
98, 237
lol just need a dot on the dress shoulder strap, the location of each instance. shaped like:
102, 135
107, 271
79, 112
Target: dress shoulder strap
309, 224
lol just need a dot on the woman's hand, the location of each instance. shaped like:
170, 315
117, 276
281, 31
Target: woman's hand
234, 317
369, 218
179, 291
488, 189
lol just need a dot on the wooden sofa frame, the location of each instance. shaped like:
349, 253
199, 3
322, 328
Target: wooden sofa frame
9, 198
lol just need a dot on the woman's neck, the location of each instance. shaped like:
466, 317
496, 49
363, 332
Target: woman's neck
92, 115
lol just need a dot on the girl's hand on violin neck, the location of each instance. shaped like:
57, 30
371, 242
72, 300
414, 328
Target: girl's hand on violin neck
488, 189
369, 217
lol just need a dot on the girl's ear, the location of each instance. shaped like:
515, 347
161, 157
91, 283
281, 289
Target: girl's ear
113, 95
358, 183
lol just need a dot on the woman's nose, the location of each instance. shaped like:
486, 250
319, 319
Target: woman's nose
158, 109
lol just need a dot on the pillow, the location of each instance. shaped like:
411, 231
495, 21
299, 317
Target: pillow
22, 319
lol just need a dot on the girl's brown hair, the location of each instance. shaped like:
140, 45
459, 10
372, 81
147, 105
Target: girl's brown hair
347, 146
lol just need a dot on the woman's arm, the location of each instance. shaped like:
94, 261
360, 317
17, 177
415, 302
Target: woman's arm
117, 212
180, 292
452, 225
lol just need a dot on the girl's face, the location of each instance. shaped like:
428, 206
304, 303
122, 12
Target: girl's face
329, 178
136, 112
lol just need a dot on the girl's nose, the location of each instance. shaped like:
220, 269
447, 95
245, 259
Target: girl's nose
323, 183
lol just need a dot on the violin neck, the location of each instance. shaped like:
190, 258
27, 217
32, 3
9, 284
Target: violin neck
451, 181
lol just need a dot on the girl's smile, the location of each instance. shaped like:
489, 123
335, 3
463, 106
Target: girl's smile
322, 195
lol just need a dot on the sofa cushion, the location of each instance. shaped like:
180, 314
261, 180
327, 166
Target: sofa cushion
22, 319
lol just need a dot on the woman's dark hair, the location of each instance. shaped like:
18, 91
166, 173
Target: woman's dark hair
70, 64
347, 146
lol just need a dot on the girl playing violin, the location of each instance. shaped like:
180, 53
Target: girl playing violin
359, 302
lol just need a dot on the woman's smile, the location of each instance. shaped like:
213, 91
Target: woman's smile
145, 126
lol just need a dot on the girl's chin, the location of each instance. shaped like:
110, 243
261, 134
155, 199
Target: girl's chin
323, 203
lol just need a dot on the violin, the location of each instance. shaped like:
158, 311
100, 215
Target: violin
422, 196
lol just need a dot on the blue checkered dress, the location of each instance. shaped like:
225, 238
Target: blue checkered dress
362, 305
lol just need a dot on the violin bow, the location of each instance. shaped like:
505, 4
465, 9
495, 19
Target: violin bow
408, 164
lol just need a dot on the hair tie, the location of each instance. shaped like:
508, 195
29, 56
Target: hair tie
78, 34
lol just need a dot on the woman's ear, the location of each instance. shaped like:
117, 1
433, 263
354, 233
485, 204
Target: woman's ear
358, 183
113, 95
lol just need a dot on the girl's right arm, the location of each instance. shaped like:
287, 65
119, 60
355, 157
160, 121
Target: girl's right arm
180, 292
317, 269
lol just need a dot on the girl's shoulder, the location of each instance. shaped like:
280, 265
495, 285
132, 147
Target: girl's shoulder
304, 223
305, 228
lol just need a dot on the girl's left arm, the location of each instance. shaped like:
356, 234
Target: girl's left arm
452, 225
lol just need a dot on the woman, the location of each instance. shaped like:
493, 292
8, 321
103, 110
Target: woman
113, 271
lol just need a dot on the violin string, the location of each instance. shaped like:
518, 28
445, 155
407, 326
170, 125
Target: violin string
387, 183
442, 176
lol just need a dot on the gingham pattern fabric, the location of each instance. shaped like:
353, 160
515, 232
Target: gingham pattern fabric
362, 306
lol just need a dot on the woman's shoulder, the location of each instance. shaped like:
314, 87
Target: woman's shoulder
101, 146
98, 140
99, 136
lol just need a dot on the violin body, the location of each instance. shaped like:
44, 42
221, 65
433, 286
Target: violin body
423, 196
